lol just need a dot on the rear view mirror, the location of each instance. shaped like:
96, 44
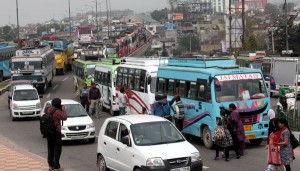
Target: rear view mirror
125, 140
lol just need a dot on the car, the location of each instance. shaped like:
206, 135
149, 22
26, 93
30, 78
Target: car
25, 102
11, 86
144, 142
79, 125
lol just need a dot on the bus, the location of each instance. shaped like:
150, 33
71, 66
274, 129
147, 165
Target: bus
105, 78
208, 85
6, 52
36, 64
85, 35
138, 77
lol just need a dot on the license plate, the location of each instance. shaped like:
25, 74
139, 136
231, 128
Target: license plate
248, 127
77, 137
181, 169
250, 136
26, 113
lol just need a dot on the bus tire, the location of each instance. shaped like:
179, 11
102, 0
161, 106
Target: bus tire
1, 76
207, 137
256, 142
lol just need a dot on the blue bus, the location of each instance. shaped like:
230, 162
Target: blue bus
6, 52
208, 85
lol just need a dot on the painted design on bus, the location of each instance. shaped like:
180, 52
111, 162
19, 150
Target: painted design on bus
195, 119
133, 96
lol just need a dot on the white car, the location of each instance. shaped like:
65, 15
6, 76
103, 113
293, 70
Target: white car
25, 102
144, 142
79, 125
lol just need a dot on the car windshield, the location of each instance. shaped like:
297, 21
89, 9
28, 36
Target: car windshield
75, 110
154, 133
21, 95
236, 90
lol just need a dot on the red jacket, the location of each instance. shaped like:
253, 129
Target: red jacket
58, 116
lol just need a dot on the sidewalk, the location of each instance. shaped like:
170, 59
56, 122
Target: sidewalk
14, 158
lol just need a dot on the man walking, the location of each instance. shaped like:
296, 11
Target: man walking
83, 97
122, 101
94, 97
54, 140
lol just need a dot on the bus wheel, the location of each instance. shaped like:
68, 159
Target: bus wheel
207, 137
256, 142
1, 76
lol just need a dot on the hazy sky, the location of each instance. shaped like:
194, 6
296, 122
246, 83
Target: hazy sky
33, 11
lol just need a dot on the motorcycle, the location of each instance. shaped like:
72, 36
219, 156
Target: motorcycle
286, 103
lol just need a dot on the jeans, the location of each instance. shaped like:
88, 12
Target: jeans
54, 150
85, 103
122, 111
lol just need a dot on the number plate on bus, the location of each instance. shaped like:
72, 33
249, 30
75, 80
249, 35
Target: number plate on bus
248, 127
181, 169
250, 136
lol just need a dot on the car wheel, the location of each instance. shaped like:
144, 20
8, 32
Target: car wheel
138, 169
101, 163
12, 118
92, 140
207, 137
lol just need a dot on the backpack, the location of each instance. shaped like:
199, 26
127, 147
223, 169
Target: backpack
47, 125
219, 133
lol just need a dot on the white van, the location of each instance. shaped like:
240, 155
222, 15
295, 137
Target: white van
25, 102
144, 142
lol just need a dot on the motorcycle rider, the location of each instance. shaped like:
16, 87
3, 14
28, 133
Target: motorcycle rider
282, 98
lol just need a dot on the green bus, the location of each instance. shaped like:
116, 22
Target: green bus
83, 72
105, 78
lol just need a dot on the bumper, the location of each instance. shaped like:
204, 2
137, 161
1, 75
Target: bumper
195, 166
78, 135
259, 130
26, 113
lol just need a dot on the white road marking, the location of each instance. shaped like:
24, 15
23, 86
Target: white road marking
48, 95
205, 167
55, 87
65, 79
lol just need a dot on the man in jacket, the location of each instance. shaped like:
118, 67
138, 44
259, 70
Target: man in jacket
94, 97
54, 140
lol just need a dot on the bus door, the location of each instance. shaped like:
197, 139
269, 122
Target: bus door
107, 88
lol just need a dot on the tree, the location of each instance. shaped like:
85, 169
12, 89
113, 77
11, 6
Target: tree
251, 43
160, 15
190, 42
271, 9
7, 33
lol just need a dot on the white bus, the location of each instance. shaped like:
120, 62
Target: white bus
36, 64
138, 77
105, 78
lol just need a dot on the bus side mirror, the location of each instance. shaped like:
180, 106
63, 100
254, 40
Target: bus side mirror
149, 79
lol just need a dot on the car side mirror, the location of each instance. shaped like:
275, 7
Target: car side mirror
41, 96
125, 140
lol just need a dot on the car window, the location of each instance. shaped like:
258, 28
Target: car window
111, 129
123, 132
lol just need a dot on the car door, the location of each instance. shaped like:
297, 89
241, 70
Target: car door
122, 151
109, 144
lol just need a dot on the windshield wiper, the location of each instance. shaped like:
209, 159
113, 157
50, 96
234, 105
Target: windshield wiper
159, 143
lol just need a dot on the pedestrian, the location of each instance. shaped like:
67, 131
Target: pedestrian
225, 140
83, 97
271, 114
286, 150
237, 131
94, 97
179, 113
54, 140
274, 163
157, 109
122, 101
167, 106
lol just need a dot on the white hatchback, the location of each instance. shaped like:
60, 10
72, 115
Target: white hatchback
25, 102
144, 142
79, 125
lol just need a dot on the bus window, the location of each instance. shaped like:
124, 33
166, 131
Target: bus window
131, 71
161, 85
153, 84
119, 79
137, 85
171, 87
181, 89
203, 90
125, 80
131, 82
187, 89
192, 92
109, 79
143, 85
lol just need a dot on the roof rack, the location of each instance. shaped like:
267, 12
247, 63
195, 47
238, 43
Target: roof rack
203, 62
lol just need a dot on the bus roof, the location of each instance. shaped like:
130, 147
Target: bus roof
139, 61
203, 62
85, 62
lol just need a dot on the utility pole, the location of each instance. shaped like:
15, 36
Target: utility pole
107, 18
70, 28
230, 18
97, 19
18, 26
243, 23
286, 27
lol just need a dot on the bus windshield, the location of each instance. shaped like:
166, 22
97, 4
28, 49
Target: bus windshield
236, 90
85, 30
90, 70
31, 65
37, 78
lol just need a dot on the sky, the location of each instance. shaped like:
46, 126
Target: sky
34, 11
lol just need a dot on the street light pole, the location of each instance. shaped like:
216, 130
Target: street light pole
70, 29
97, 19
286, 27
18, 26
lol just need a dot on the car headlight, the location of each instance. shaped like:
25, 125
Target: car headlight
195, 157
155, 162
15, 106
64, 128
38, 105
90, 126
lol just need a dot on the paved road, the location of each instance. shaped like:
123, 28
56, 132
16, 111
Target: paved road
81, 156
